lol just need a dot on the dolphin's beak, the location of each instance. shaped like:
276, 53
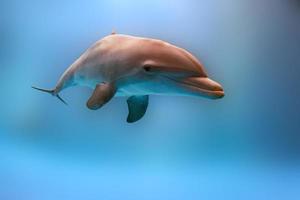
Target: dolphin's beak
203, 85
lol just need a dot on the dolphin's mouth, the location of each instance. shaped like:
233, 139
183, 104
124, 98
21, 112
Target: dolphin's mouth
201, 85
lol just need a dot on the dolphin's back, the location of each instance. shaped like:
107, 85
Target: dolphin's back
138, 50
117, 55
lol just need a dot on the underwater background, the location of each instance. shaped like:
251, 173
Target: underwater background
244, 146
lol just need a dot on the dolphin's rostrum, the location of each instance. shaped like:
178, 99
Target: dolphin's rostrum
135, 67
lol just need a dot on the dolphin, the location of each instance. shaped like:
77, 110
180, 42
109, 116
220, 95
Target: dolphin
136, 67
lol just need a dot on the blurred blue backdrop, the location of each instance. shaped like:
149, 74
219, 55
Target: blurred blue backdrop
244, 146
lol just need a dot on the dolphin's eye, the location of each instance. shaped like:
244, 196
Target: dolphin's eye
147, 68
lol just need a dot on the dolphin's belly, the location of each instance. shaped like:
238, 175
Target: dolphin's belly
84, 79
130, 90
147, 88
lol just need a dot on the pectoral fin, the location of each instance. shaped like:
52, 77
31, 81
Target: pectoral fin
101, 95
137, 106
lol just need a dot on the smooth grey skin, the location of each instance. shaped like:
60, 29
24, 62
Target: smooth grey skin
135, 67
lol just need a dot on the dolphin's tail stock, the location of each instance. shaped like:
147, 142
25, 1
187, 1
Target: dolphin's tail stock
52, 92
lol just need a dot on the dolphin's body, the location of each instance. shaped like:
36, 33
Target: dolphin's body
122, 65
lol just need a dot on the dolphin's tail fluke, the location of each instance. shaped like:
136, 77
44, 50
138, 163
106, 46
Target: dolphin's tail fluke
44, 90
52, 92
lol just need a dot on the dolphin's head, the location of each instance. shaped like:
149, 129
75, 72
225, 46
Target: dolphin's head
172, 70
197, 86
170, 80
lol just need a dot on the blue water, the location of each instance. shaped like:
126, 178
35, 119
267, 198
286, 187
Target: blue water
244, 146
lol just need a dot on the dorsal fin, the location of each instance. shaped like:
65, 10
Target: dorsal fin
113, 32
